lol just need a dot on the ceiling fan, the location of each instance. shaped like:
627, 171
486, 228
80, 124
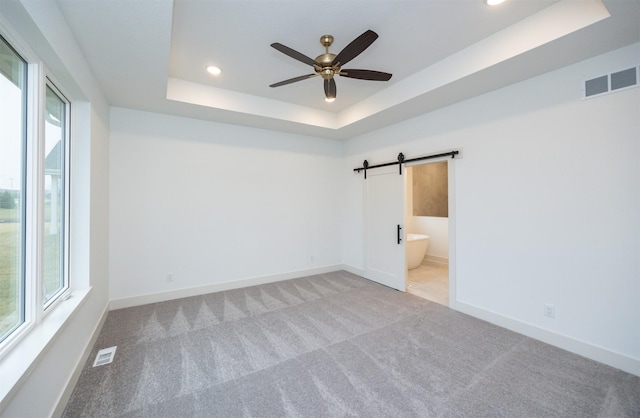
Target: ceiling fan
327, 65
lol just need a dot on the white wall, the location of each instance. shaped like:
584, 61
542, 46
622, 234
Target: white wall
547, 205
214, 203
44, 387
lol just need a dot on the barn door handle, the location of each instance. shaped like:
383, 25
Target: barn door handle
399, 239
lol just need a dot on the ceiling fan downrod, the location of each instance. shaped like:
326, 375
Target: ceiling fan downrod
326, 68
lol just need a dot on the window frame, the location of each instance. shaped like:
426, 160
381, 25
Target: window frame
34, 308
22, 286
66, 193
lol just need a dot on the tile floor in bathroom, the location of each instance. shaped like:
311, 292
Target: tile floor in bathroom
430, 281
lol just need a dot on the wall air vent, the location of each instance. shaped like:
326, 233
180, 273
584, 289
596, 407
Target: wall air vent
597, 85
609, 83
624, 78
105, 356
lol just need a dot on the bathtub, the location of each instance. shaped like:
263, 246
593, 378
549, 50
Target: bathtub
416, 249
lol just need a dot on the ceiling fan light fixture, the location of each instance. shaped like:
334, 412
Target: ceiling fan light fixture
494, 2
213, 70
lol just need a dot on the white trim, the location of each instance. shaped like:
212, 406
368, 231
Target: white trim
435, 259
353, 270
451, 261
18, 364
61, 404
218, 287
34, 214
451, 179
603, 355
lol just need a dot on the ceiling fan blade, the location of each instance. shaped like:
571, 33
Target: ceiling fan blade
330, 88
356, 47
366, 75
293, 80
294, 54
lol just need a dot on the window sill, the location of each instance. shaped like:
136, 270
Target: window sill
19, 362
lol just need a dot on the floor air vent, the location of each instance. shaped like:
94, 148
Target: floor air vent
609, 83
105, 356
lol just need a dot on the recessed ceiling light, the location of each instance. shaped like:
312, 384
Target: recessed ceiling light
494, 2
213, 70
329, 99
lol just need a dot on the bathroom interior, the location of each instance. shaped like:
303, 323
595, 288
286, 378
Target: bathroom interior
427, 222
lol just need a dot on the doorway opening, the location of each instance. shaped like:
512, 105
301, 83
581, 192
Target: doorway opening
427, 216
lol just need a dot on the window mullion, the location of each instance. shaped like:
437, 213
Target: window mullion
67, 197
35, 193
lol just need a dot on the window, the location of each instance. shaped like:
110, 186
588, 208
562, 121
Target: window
34, 184
13, 105
54, 195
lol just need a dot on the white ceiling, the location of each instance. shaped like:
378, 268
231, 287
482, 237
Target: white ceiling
151, 54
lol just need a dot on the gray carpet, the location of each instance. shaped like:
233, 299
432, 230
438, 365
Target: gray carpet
335, 345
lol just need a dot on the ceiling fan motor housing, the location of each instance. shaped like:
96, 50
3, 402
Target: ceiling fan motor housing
325, 69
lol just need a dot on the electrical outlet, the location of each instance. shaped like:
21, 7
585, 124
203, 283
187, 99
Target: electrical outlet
169, 276
550, 311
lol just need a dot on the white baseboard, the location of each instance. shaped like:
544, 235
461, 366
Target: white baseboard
218, 287
73, 379
353, 270
593, 352
603, 355
436, 259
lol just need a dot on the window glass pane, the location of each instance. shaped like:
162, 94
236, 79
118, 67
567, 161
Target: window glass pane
12, 167
54, 194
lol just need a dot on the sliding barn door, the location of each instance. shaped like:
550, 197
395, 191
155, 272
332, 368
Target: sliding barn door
384, 227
